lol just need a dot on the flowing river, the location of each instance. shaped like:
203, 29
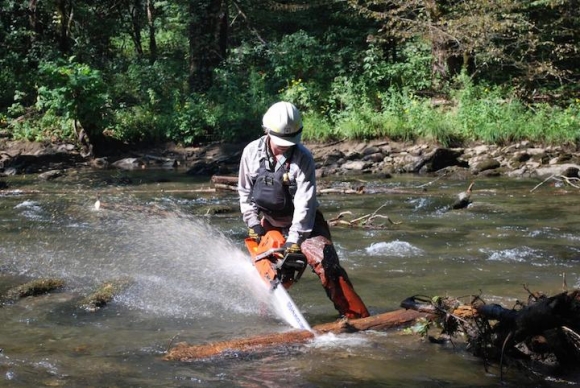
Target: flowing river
190, 279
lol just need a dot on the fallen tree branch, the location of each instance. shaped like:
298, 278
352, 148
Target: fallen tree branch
363, 221
559, 178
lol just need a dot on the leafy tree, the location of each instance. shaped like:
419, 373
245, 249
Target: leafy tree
533, 41
199, 70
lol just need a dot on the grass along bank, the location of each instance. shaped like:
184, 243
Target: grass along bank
468, 113
474, 113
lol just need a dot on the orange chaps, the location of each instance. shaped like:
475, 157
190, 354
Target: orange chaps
323, 259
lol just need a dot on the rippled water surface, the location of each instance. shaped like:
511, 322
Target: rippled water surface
190, 279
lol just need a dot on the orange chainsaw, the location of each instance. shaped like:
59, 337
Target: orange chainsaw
274, 265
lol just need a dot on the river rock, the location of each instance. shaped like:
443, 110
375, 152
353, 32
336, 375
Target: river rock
202, 167
520, 159
128, 164
374, 157
356, 165
438, 159
101, 163
558, 169
485, 164
50, 175
333, 157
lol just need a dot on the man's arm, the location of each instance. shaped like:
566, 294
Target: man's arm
305, 202
248, 210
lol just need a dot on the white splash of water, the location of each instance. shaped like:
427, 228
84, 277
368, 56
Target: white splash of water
183, 267
394, 248
331, 340
179, 266
518, 254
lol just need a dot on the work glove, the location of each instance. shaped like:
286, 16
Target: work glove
256, 232
291, 247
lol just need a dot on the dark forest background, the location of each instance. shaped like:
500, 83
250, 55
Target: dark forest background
145, 71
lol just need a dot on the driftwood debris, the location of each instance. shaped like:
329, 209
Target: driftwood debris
541, 335
390, 320
365, 221
569, 180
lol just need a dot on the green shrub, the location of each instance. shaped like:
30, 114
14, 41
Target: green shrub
73, 91
137, 124
194, 121
317, 127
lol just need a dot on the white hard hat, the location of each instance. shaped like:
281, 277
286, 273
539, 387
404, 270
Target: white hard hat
283, 123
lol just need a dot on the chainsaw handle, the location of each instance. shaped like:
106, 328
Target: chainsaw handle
268, 253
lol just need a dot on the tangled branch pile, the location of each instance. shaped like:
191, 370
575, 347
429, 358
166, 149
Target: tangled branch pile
541, 335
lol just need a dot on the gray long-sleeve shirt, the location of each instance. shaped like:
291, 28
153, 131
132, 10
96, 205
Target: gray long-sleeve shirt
301, 171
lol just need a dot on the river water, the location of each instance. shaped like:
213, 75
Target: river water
190, 280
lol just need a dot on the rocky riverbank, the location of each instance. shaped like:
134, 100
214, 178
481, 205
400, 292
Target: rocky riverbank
383, 158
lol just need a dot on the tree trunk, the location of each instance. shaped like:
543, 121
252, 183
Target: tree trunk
135, 13
151, 24
207, 33
33, 18
185, 352
65, 14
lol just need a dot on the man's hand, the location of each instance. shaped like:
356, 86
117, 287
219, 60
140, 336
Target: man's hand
256, 232
291, 247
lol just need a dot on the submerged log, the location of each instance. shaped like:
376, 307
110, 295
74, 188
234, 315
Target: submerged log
390, 320
104, 294
33, 288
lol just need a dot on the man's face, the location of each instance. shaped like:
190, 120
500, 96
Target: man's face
278, 150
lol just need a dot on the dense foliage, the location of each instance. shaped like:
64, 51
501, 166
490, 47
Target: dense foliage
199, 70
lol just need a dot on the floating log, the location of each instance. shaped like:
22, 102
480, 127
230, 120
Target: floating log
223, 186
226, 180
339, 190
393, 319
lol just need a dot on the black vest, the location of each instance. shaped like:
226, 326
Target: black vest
271, 190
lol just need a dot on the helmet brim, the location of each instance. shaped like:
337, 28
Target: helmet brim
285, 141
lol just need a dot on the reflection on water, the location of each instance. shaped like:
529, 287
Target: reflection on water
191, 281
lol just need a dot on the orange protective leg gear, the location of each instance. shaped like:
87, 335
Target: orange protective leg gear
323, 259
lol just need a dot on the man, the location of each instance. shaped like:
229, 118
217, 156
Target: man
277, 188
